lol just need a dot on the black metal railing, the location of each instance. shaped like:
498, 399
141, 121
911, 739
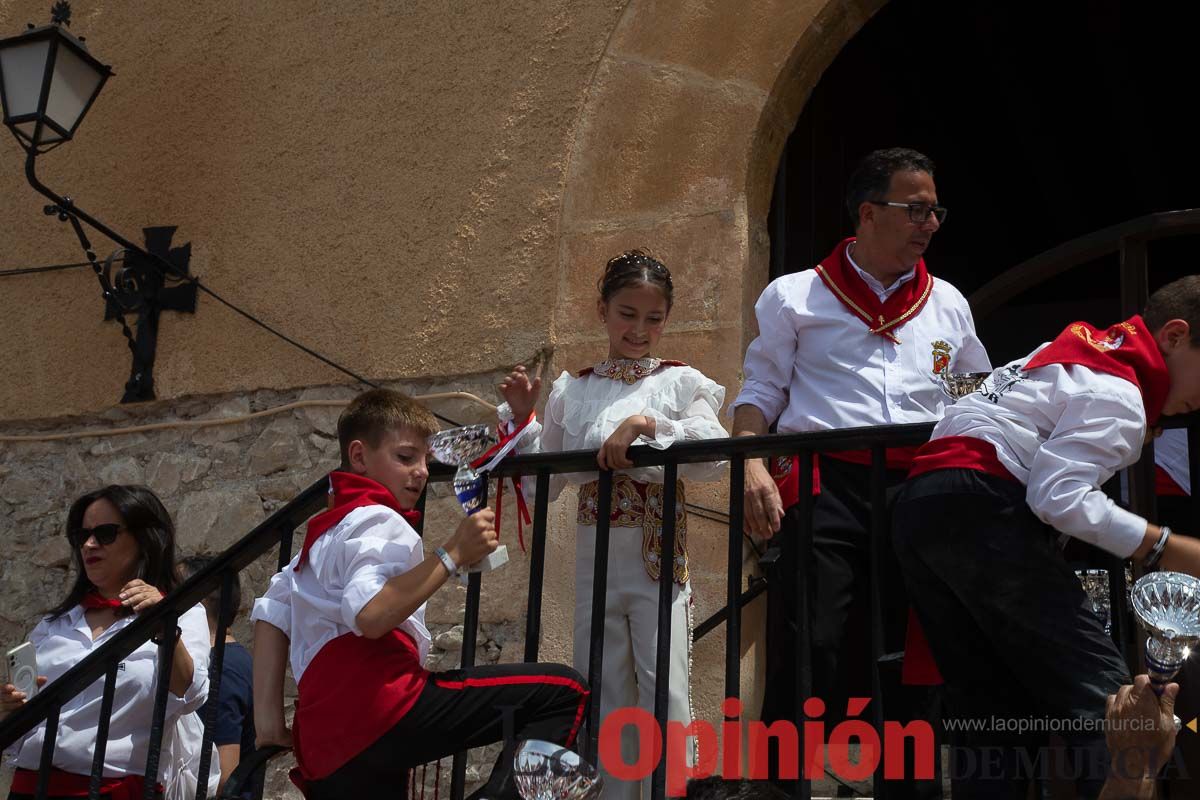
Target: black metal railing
279, 528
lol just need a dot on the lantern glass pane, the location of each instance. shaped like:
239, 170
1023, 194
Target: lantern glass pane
73, 84
23, 66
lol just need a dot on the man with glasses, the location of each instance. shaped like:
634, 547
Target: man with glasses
861, 339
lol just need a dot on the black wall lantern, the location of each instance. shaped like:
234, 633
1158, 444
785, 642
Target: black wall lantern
48, 81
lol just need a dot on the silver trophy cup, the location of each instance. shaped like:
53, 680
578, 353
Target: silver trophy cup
458, 447
546, 771
1168, 606
961, 384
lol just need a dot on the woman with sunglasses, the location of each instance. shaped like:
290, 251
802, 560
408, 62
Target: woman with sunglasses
123, 548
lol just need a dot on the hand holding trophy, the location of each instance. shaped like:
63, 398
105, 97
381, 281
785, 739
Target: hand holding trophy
463, 447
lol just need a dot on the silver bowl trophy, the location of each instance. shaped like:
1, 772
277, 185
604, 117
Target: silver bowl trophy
461, 447
1168, 606
546, 771
960, 384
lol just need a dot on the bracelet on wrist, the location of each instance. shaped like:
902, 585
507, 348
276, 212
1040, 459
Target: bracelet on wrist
447, 561
1155, 555
158, 639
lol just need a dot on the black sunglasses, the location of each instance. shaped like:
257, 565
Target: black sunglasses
105, 534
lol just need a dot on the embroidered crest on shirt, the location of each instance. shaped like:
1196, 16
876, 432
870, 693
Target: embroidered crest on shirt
941, 356
1111, 342
629, 370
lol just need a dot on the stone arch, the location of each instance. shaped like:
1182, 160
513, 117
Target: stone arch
676, 148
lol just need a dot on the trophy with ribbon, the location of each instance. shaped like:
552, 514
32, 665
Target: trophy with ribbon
1168, 606
475, 451
545, 771
960, 384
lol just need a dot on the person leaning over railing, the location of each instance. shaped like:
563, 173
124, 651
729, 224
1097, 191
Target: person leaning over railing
123, 548
351, 609
1007, 472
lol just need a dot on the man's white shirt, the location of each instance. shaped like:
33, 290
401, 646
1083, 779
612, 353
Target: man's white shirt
816, 366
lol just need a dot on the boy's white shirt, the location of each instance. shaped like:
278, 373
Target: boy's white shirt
1062, 430
347, 566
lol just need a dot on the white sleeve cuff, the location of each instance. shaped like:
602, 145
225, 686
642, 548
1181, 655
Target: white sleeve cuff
274, 613
666, 430
1124, 532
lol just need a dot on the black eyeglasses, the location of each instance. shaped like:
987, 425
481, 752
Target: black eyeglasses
918, 213
105, 534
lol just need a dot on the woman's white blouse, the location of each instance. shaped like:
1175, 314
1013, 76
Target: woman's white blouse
61, 644
582, 412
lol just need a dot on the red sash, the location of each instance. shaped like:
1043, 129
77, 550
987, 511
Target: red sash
848, 286
351, 491
68, 784
959, 452
354, 691
1127, 350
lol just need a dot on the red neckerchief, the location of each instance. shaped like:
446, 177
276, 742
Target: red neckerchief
583, 373
1127, 350
351, 491
848, 286
94, 599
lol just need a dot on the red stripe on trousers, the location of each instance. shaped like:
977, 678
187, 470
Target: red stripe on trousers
550, 680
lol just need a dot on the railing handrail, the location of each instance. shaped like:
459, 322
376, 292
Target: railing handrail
267, 534
1080, 250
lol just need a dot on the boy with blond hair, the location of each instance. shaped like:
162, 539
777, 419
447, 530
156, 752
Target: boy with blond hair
351, 604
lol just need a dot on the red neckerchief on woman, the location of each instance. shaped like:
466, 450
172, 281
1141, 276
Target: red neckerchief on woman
881, 318
94, 599
1127, 350
351, 491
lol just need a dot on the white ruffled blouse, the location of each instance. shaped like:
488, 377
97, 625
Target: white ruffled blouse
582, 412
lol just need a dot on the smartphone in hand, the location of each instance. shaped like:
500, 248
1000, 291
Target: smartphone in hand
22, 669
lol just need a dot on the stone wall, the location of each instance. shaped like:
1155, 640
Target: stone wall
220, 481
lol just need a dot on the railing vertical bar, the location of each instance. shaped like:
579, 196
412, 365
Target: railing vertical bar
106, 704
420, 507
599, 598
802, 790
666, 588
458, 772
285, 547
878, 532
215, 664
166, 657
537, 567
47, 760
733, 584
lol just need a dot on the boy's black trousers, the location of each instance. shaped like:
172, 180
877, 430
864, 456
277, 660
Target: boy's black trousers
462, 709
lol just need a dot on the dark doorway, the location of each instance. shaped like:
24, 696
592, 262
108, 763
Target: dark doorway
1046, 122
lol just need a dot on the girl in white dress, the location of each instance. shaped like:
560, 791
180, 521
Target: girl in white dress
632, 398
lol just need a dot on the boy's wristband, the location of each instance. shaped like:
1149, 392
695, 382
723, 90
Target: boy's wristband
1151, 560
447, 561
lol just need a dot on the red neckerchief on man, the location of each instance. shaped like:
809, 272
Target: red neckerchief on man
881, 318
351, 491
1127, 350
